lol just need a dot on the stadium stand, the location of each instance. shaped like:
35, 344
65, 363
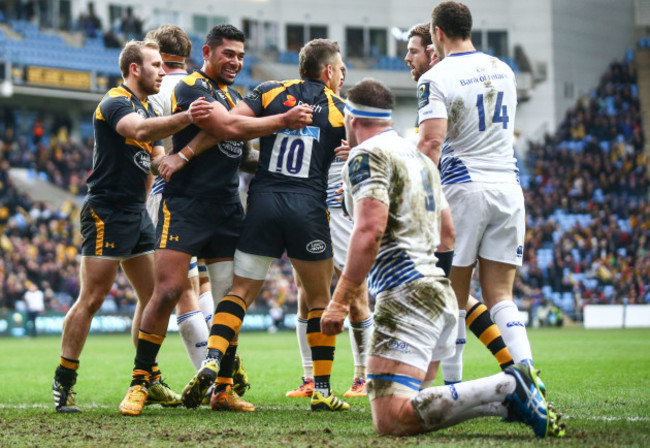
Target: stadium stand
586, 188
588, 213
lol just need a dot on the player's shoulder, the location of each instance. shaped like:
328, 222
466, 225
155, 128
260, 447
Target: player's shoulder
195, 79
117, 94
268, 86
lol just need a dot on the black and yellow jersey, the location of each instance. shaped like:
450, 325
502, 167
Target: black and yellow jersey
214, 173
120, 164
297, 161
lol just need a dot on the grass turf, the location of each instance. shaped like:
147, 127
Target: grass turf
598, 379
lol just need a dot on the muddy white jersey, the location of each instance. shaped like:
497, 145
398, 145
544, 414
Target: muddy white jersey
477, 94
390, 169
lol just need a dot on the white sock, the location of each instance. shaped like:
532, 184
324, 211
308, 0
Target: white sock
305, 349
195, 334
221, 275
442, 406
452, 367
513, 331
359, 339
206, 305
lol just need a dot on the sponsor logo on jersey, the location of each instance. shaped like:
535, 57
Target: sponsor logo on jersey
399, 346
315, 109
231, 149
308, 131
291, 101
143, 160
316, 246
423, 95
142, 113
359, 169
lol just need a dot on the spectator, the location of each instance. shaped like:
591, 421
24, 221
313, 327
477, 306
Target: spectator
34, 299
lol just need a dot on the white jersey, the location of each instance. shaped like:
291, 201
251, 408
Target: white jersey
392, 170
162, 102
477, 94
334, 182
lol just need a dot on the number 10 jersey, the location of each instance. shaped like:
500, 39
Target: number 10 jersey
297, 161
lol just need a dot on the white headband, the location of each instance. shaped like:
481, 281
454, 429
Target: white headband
372, 113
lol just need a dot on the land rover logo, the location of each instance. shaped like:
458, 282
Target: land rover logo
316, 247
142, 160
231, 149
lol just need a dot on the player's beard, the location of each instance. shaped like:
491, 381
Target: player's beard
149, 87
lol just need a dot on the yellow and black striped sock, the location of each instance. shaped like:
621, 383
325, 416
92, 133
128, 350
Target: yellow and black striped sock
66, 372
156, 374
147, 352
226, 322
322, 351
480, 323
227, 367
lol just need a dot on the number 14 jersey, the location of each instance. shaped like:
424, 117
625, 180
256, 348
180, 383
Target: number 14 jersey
477, 94
297, 161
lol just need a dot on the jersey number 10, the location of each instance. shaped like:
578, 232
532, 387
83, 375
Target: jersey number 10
500, 112
291, 155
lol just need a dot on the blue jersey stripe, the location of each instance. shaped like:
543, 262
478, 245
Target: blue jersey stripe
158, 186
454, 171
392, 268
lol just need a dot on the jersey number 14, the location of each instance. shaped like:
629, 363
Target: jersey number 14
500, 112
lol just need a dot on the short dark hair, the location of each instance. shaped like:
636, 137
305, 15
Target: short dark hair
423, 31
372, 93
454, 19
218, 33
315, 55
132, 53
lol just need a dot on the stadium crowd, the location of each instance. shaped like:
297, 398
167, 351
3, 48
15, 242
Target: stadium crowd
586, 198
587, 209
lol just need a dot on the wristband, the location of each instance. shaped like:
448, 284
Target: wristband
182, 156
190, 148
186, 154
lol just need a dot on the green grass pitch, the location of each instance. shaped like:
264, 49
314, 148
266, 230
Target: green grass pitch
598, 379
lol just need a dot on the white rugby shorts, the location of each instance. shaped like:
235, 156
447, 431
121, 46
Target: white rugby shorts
416, 323
489, 220
340, 230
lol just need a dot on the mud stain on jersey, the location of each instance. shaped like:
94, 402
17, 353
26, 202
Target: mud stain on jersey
456, 113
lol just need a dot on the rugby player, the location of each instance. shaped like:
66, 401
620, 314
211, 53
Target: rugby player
116, 229
201, 213
394, 194
287, 211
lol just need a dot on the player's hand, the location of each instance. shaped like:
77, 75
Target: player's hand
298, 117
169, 165
342, 151
331, 322
199, 109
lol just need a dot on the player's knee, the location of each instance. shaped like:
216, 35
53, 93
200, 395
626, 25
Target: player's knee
168, 293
